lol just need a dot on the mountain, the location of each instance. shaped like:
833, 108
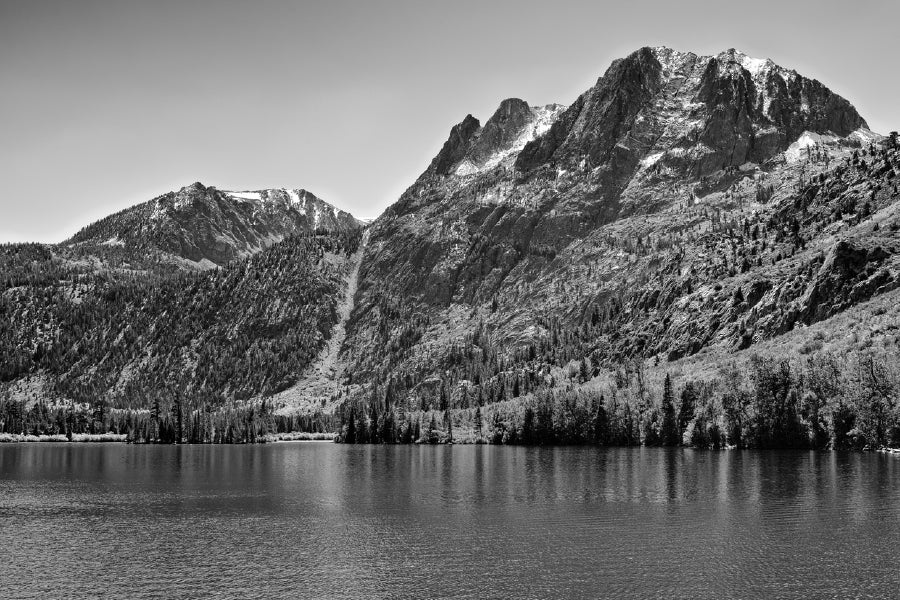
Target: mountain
684, 205
202, 227
249, 327
204, 294
661, 145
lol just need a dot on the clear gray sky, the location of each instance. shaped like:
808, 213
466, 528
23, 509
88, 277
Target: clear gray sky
107, 103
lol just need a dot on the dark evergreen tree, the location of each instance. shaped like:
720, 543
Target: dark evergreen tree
668, 430
478, 424
601, 423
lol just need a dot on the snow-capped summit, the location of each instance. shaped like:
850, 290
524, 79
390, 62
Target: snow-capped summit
698, 113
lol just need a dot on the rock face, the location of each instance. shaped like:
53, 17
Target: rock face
720, 111
455, 147
651, 217
211, 227
848, 276
471, 148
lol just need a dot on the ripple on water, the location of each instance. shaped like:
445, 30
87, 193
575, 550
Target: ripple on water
322, 520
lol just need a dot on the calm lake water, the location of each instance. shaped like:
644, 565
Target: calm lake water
319, 520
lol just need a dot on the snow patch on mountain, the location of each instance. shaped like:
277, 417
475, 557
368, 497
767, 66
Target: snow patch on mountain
866, 136
759, 68
467, 167
544, 116
652, 159
113, 241
755, 66
245, 195
293, 196
807, 139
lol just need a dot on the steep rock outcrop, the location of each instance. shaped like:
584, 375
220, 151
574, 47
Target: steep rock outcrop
849, 275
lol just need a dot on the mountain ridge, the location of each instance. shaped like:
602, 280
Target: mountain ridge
210, 227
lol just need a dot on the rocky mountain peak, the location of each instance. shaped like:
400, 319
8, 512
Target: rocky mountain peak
201, 226
711, 112
501, 130
455, 147
471, 148
196, 186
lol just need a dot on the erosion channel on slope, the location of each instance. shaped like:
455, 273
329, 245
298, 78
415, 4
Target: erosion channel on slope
319, 385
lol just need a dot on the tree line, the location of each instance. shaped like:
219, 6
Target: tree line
824, 401
170, 419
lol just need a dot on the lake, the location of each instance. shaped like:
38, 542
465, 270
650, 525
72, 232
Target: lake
320, 520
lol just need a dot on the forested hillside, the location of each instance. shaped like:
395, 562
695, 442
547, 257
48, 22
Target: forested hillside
136, 340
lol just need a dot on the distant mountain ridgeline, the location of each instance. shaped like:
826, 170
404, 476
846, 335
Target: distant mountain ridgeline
202, 227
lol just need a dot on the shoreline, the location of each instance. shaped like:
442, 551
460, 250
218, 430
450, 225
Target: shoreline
304, 437
122, 438
77, 438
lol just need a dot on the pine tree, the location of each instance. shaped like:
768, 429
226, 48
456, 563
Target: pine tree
177, 414
528, 426
496, 428
443, 403
478, 424
387, 427
601, 423
99, 415
154, 419
351, 427
372, 425
668, 432
432, 430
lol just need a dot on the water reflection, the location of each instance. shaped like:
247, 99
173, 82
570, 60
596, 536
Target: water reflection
321, 520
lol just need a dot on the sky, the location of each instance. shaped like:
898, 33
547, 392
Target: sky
108, 103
